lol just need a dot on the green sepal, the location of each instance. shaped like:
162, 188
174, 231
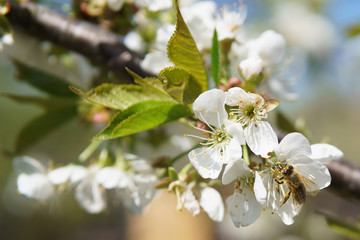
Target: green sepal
173, 174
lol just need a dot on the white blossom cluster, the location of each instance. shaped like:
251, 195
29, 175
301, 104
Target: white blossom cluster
133, 185
282, 175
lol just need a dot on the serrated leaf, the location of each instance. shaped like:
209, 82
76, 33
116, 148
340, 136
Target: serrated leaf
215, 59
182, 51
150, 82
42, 125
180, 84
120, 97
43, 81
142, 116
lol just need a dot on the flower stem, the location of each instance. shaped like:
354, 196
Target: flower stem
88, 151
174, 159
246, 154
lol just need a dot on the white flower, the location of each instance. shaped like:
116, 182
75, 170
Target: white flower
251, 67
325, 153
134, 42
270, 47
228, 23
199, 17
157, 59
32, 179
115, 5
88, 191
155, 5
192, 197
225, 137
242, 205
289, 176
136, 185
250, 109
304, 28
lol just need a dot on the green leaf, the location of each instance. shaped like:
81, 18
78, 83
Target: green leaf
5, 26
353, 30
43, 81
172, 174
142, 116
150, 82
215, 59
120, 97
180, 84
182, 51
346, 228
57, 112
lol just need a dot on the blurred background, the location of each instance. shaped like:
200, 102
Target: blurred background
325, 50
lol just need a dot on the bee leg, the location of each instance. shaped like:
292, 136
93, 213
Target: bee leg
287, 196
279, 180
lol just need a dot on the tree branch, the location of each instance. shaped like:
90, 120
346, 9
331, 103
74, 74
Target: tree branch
91, 40
105, 48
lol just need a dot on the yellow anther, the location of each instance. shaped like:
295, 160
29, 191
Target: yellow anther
184, 134
200, 110
204, 151
193, 156
243, 214
236, 205
259, 173
216, 110
269, 188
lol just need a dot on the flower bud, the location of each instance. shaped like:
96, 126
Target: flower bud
250, 67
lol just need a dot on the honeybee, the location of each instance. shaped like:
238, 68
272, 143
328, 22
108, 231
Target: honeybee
299, 186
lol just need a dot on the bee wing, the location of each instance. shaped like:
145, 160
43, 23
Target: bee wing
312, 188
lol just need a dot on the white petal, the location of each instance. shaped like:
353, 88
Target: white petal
260, 190
206, 162
36, 186
261, 138
209, 107
212, 204
313, 170
235, 130
115, 5
287, 212
90, 196
235, 169
111, 177
243, 208
251, 67
293, 145
232, 151
145, 184
235, 95
190, 202
325, 152
28, 165
70, 173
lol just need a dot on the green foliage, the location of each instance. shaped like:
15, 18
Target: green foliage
143, 116
182, 51
45, 82
5, 27
149, 82
57, 111
215, 59
180, 84
353, 30
173, 174
121, 97
346, 228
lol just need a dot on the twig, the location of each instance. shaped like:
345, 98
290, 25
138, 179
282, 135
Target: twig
91, 40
